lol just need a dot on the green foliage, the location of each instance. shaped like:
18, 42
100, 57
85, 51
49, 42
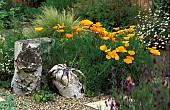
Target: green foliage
50, 18
89, 94
111, 13
9, 103
7, 15
7, 39
43, 96
162, 5
60, 5
5, 84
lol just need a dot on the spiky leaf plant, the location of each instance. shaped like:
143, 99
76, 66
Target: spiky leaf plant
50, 18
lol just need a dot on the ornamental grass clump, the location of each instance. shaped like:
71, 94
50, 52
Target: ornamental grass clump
95, 51
51, 17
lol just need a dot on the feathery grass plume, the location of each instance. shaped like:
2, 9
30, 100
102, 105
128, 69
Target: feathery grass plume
49, 18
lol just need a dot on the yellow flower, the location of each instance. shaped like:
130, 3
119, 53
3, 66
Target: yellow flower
100, 30
105, 33
131, 29
38, 29
154, 51
75, 27
55, 27
112, 54
130, 80
113, 39
128, 59
105, 38
86, 23
120, 32
116, 29
121, 49
126, 43
126, 30
60, 30
69, 36
104, 48
131, 35
60, 26
93, 29
97, 25
78, 29
140, 37
61, 40
131, 52
132, 26
126, 38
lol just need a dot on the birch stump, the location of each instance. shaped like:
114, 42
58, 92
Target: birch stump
68, 81
28, 66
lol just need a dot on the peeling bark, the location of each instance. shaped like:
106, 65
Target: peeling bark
28, 66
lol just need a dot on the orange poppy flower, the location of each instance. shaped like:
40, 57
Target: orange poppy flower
129, 57
116, 29
131, 52
93, 29
131, 35
69, 36
126, 43
121, 49
60, 30
140, 37
74, 27
127, 61
132, 26
97, 25
154, 51
126, 38
130, 80
131, 29
38, 29
78, 29
120, 32
105, 38
104, 48
126, 30
55, 27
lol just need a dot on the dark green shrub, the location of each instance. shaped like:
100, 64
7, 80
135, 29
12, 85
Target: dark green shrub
60, 4
111, 13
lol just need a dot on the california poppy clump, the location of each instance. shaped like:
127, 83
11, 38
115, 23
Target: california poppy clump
96, 51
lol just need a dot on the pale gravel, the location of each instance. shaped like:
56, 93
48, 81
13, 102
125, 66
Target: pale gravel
59, 103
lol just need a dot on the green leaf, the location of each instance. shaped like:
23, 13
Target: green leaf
37, 97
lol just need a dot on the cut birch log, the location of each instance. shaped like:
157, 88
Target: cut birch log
68, 81
28, 66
